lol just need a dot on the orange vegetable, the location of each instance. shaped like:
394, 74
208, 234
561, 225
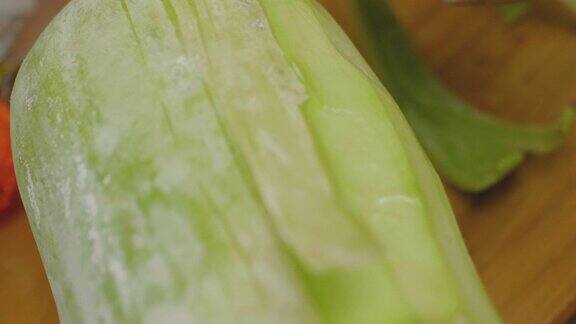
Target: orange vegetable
7, 177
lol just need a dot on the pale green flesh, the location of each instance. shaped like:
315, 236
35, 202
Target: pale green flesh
206, 161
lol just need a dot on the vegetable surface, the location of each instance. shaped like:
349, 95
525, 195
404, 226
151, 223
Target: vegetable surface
472, 150
226, 161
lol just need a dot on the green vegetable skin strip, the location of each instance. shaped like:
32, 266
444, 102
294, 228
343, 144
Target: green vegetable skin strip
207, 161
472, 150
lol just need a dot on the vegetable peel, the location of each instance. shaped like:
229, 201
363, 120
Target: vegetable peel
470, 149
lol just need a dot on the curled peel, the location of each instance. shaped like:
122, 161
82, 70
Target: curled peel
472, 150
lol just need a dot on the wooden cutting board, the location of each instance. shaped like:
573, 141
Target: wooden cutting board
522, 234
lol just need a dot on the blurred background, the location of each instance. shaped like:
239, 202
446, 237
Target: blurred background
521, 233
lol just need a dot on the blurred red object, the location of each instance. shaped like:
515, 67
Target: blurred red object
7, 176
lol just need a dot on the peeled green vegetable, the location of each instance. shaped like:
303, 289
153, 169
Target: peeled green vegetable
225, 161
472, 150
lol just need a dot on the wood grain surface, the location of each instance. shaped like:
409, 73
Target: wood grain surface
521, 234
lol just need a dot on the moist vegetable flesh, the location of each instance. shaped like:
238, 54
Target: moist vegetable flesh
229, 161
